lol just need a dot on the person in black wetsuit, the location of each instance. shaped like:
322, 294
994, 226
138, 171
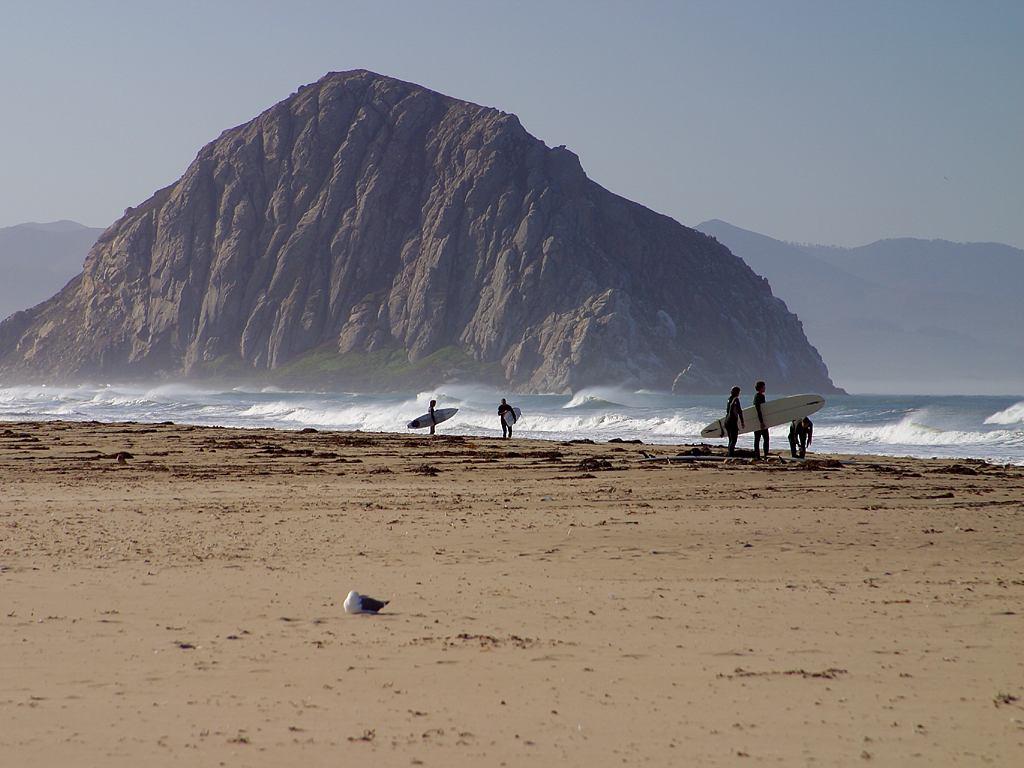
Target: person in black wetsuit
433, 421
800, 431
506, 429
762, 433
733, 419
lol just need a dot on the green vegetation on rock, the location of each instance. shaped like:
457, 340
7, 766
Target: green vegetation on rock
379, 370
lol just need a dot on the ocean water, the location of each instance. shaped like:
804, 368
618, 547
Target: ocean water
984, 427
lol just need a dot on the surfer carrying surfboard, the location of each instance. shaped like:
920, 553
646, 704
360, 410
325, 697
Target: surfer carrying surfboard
762, 433
506, 421
733, 419
432, 418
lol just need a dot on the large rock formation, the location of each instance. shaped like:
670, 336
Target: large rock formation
365, 221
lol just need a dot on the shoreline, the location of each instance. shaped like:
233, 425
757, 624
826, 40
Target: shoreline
716, 448
550, 602
985, 427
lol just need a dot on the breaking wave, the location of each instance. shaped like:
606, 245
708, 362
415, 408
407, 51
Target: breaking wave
609, 397
1012, 415
605, 425
910, 431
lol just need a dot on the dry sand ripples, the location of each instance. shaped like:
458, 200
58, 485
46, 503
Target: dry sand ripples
173, 594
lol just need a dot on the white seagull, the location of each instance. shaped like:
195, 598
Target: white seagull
356, 603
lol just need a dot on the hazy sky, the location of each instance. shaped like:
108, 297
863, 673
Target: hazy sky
834, 122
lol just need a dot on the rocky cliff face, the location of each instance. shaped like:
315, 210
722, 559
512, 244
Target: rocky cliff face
364, 214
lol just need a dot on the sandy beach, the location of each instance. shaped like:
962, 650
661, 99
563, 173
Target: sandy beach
551, 604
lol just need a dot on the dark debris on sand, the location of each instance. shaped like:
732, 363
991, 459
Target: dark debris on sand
425, 469
819, 464
595, 464
955, 469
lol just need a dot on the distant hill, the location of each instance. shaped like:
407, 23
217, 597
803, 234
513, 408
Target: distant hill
37, 260
367, 232
900, 315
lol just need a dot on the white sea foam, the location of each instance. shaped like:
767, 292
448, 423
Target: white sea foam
604, 425
17, 394
1012, 415
363, 416
912, 430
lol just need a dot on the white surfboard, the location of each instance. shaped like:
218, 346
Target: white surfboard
775, 412
441, 414
513, 417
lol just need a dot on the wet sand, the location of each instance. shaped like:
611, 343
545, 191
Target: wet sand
551, 604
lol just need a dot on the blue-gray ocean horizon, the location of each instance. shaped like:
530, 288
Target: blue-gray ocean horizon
967, 426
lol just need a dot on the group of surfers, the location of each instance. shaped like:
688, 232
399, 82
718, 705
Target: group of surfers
503, 408
801, 431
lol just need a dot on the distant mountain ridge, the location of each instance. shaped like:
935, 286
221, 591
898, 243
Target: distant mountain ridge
61, 225
367, 232
900, 314
38, 259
